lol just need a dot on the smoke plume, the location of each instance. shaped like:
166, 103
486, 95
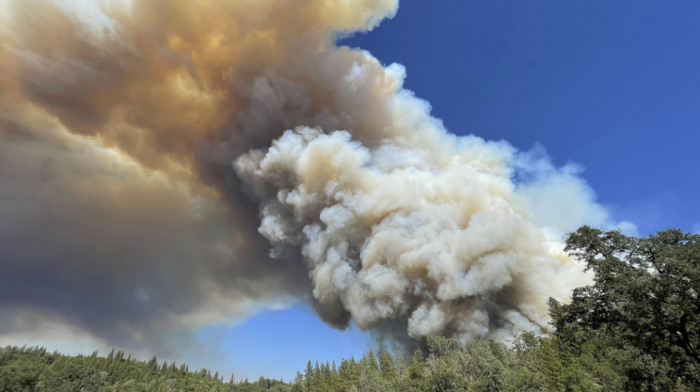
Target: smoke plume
167, 164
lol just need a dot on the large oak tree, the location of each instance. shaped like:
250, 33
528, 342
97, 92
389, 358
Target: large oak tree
642, 306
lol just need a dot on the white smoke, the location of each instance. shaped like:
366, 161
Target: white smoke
425, 232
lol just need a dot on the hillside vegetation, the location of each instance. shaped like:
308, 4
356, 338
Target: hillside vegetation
634, 329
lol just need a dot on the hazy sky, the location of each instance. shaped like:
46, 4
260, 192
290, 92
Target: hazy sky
612, 86
145, 230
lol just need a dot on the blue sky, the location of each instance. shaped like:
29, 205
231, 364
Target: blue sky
277, 344
612, 86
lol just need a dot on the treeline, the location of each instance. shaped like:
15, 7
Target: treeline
634, 329
35, 369
530, 364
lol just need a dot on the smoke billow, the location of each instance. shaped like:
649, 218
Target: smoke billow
167, 164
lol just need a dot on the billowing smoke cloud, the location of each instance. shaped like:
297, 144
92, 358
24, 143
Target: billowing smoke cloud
167, 164
420, 227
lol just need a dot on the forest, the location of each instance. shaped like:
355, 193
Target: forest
635, 328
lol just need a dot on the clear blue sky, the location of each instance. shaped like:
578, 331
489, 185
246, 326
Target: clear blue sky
611, 85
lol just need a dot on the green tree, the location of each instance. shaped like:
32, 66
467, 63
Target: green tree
387, 367
371, 361
298, 385
416, 371
308, 376
643, 305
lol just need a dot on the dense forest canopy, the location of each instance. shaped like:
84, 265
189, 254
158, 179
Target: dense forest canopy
635, 329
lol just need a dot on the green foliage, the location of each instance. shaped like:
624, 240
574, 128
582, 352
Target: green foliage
642, 311
35, 370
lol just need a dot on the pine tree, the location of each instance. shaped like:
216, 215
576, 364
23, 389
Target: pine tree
152, 365
416, 370
387, 368
308, 376
371, 361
